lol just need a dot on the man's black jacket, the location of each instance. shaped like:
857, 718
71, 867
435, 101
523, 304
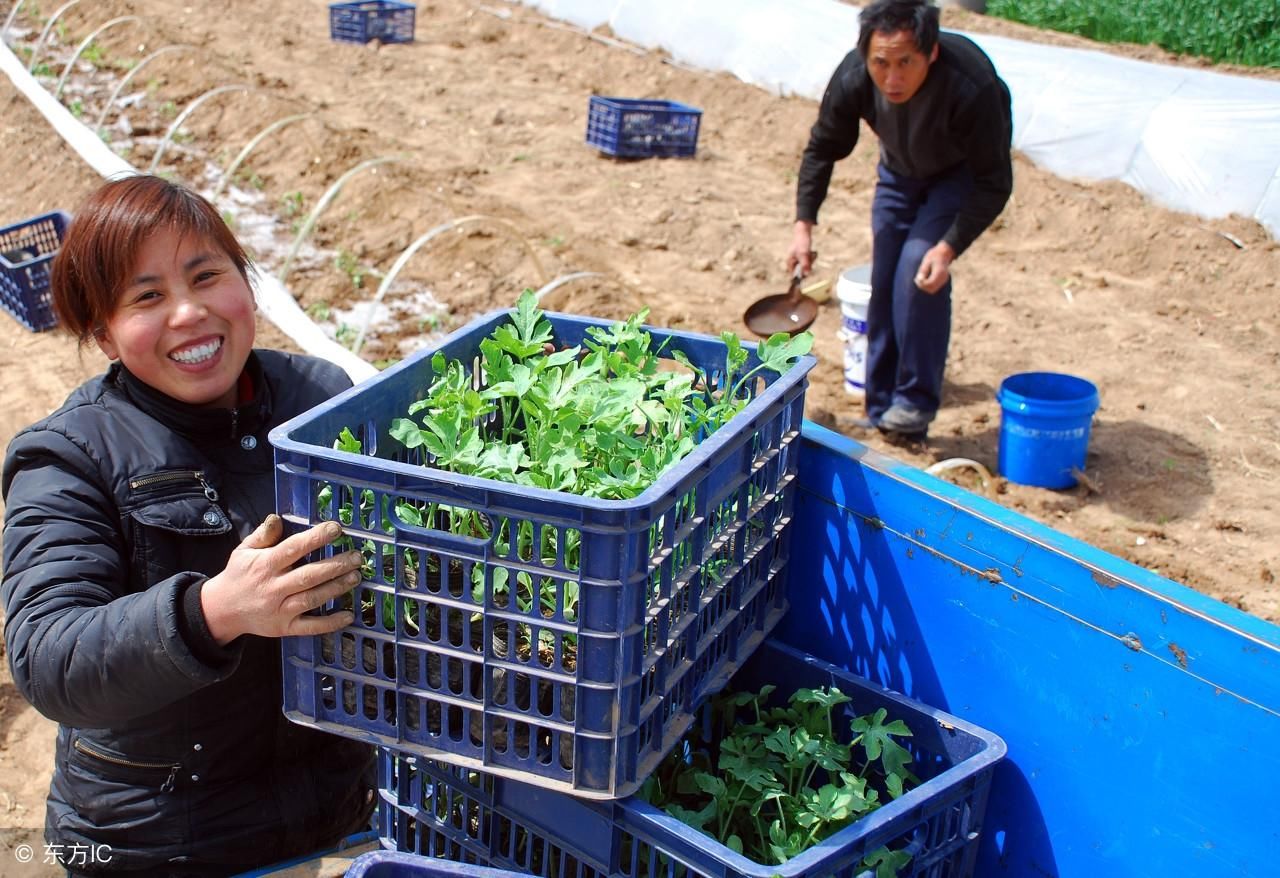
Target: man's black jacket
961, 114
171, 750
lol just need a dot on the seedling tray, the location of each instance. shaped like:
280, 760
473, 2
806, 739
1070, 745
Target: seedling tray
432, 808
26, 258
675, 587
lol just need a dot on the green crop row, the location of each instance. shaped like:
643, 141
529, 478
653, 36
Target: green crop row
1232, 31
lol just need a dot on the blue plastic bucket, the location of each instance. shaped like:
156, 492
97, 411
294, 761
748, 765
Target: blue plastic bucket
1044, 427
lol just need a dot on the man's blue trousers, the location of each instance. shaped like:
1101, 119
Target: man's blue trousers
908, 330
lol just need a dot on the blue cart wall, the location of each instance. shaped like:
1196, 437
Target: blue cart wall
1142, 718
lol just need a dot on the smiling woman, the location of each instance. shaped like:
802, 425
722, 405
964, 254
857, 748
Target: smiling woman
184, 324
164, 289
145, 575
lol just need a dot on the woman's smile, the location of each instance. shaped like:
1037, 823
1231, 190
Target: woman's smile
184, 323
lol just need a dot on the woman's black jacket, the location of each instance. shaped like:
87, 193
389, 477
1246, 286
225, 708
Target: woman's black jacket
172, 752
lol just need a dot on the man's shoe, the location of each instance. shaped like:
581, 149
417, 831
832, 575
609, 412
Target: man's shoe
906, 420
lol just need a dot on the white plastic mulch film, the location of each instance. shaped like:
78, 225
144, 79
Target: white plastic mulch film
275, 301
1191, 140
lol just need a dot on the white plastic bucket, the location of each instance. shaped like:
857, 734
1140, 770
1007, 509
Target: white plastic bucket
853, 289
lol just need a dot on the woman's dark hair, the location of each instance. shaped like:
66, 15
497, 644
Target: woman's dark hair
101, 246
892, 16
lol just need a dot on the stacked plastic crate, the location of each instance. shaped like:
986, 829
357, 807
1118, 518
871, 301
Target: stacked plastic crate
392, 864
514, 728
438, 810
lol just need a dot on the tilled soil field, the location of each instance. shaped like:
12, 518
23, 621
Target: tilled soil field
480, 122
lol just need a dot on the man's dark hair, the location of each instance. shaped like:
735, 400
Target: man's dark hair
892, 16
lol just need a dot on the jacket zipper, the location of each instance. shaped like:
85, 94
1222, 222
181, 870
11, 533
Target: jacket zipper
188, 475
165, 787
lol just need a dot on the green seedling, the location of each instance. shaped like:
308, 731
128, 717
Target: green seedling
785, 778
1240, 32
602, 419
597, 420
251, 179
291, 203
346, 334
348, 264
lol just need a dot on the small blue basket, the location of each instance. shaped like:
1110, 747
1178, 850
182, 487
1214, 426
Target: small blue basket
675, 587
633, 128
26, 258
383, 20
438, 810
390, 864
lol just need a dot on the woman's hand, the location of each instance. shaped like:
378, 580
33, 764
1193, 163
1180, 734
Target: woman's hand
261, 591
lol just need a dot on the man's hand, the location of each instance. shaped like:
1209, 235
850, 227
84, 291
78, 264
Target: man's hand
262, 592
935, 268
801, 252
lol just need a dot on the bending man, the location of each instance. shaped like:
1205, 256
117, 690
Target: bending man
944, 122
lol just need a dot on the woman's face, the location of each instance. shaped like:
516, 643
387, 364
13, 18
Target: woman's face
184, 322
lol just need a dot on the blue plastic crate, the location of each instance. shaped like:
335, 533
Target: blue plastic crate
675, 587
383, 20
390, 864
440, 810
26, 258
635, 128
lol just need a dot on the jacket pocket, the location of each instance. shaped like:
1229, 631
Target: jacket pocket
176, 525
115, 798
179, 501
157, 775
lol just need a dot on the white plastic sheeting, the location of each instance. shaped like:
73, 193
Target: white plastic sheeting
95, 153
1191, 140
277, 304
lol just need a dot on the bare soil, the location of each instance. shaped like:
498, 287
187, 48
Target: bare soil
1175, 317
